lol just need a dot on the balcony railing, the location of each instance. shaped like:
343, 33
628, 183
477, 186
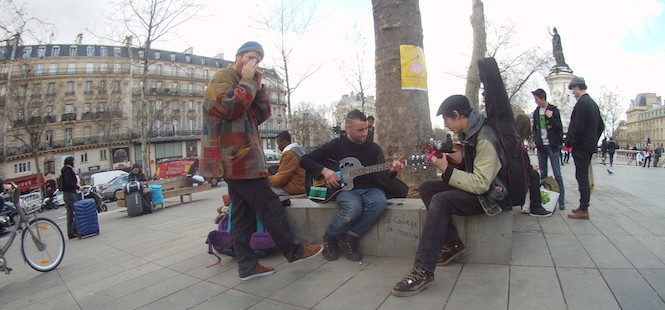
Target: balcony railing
86, 116
166, 91
19, 74
67, 117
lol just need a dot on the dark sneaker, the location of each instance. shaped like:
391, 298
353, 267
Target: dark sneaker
562, 206
415, 281
450, 251
330, 247
540, 212
309, 251
259, 271
351, 246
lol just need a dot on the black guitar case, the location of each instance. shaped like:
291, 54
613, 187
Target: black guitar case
500, 116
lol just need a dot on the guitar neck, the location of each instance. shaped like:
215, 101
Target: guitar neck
370, 169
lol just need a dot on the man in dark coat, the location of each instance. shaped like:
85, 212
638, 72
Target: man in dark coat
586, 126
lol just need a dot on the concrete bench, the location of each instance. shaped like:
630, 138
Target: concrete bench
397, 232
171, 187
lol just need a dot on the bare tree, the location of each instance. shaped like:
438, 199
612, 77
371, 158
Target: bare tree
609, 103
290, 19
309, 126
29, 110
16, 23
354, 69
403, 116
479, 51
148, 22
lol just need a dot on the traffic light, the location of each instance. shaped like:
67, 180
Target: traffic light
335, 130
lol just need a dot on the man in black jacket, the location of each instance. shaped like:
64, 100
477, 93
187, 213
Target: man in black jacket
70, 191
360, 207
586, 126
548, 135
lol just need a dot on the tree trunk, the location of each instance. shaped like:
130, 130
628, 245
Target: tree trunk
479, 51
402, 116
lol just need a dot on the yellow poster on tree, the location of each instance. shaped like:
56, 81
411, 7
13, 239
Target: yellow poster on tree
414, 71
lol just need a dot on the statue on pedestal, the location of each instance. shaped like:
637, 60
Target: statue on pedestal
557, 51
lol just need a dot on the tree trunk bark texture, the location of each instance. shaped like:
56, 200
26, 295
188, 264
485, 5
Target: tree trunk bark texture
402, 116
479, 51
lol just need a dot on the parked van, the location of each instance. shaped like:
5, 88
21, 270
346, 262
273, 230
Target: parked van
97, 180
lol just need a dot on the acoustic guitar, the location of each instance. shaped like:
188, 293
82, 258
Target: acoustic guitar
347, 169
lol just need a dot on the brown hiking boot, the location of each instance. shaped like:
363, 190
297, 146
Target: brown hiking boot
259, 271
309, 251
450, 251
415, 281
574, 210
580, 214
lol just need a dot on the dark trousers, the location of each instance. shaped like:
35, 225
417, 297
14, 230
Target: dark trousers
534, 189
252, 198
582, 162
611, 159
441, 201
70, 199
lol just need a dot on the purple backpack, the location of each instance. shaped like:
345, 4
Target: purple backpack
221, 239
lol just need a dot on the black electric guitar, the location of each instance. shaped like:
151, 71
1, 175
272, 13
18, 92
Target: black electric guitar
347, 169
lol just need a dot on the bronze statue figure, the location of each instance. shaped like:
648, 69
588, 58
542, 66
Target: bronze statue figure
557, 49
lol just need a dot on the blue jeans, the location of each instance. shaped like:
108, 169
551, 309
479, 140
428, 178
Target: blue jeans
358, 210
543, 154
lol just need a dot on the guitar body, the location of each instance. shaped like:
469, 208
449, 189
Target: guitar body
347, 169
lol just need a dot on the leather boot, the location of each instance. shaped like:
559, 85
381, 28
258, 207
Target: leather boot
351, 245
580, 214
330, 247
450, 251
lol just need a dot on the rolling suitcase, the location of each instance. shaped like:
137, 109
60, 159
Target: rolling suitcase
134, 203
85, 212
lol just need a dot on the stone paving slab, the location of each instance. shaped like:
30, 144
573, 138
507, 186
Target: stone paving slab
615, 260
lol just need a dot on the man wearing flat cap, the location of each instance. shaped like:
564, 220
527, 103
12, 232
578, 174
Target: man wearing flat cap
586, 126
236, 103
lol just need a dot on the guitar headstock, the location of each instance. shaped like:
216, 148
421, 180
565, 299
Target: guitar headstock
417, 161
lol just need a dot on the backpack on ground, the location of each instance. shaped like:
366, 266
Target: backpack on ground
221, 239
500, 116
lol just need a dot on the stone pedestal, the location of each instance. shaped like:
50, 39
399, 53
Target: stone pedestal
560, 96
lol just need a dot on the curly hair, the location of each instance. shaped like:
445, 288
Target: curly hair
523, 124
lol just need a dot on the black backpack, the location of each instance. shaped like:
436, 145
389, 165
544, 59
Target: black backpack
60, 182
500, 116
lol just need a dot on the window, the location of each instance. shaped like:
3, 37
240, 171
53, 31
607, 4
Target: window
191, 148
102, 87
90, 51
69, 136
70, 88
49, 167
72, 51
175, 107
160, 68
191, 124
52, 69
103, 67
34, 112
55, 51
24, 69
203, 61
190, 72
21, 90
116, 68
84, 157
101, 107
102, 52
89, 67
102, 155
50, 91
158, 55
174, 87
48, 138
158, 85
176, 125
117, 51
49, 110
88, 87
174, 71
39, 69
141, 53
87, 108
41, 51
116, 86
116, 130
37, 90
172, 57
166, 150
69, 108
158, 105
71, 68
188, 58
158, 126
87, 131
191, 107
3, 90
22, 167
190, 88
206, 74
27, 51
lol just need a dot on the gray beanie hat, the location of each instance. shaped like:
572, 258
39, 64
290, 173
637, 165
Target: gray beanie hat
577, 81
250, 46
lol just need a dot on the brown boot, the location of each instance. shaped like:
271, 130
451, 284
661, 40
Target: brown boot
580, 214
574, 210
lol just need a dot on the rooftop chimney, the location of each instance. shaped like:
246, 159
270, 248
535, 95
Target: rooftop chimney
79, 38
220, 56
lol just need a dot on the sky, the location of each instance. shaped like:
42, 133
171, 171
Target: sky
618, 45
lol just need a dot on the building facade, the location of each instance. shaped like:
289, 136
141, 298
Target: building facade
645, 121
84, 101
353, 101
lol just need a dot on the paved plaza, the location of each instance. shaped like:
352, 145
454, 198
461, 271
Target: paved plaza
615, 260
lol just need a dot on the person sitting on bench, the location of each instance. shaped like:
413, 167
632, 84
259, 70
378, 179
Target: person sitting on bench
290, 177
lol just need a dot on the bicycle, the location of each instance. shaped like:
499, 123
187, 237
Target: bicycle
42, 241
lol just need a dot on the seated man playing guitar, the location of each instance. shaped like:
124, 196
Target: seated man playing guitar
362, 205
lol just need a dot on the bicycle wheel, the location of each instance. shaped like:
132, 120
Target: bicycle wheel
43, 244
